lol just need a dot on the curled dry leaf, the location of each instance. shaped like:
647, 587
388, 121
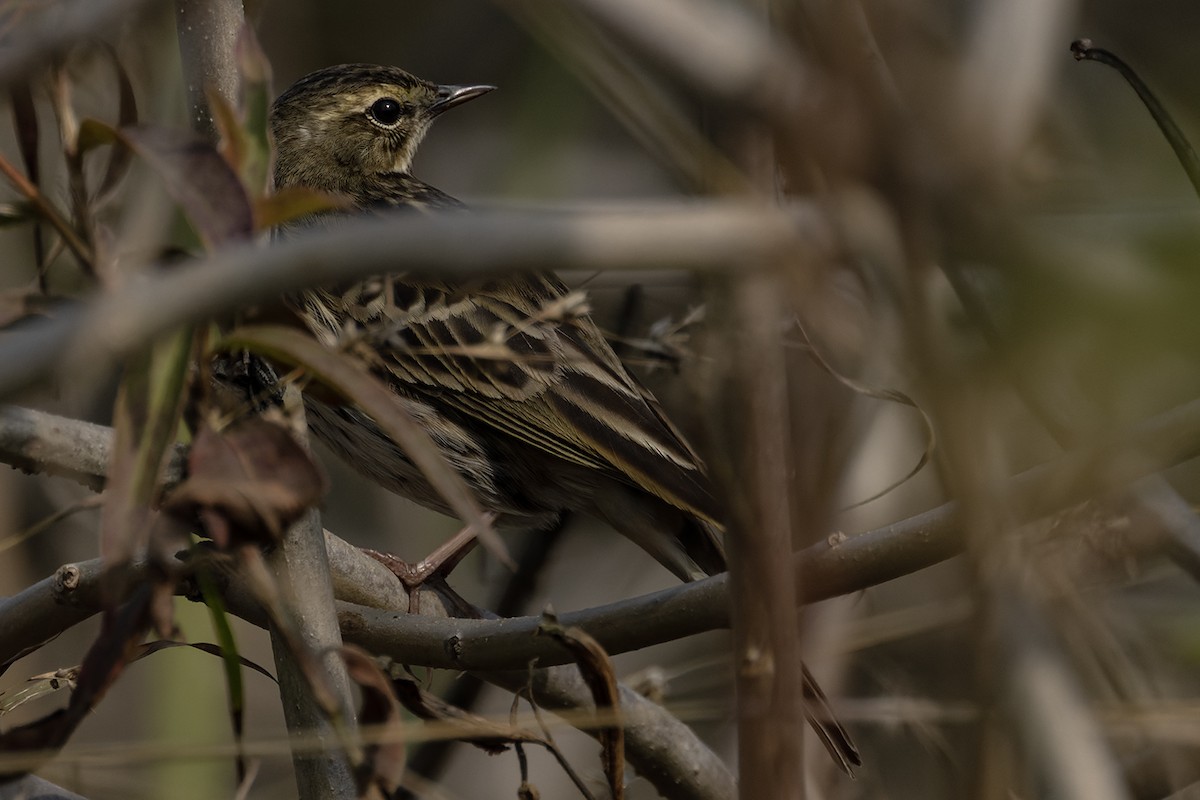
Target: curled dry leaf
292, 203
247, 483
383, 762
597, 670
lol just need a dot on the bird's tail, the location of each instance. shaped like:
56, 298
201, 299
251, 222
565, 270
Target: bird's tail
831, 733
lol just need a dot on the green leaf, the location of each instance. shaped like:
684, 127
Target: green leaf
256, 110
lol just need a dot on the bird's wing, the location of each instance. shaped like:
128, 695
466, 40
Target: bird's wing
518, 354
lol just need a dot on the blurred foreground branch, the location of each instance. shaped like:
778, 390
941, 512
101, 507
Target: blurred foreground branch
56, 29
695, 236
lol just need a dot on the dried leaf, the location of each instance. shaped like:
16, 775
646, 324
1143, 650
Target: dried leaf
597, 670
247, 483
292, 203
42, 685
150, 648
26, 125
383, 759
193, 172
127, 116
353, 380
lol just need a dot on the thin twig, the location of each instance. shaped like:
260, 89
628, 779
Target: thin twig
48, 212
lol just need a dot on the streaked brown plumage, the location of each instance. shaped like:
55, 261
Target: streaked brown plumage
515, 383
518, 387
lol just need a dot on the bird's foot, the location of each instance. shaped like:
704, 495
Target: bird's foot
437, 565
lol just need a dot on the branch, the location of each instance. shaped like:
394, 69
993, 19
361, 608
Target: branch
836, 566
207, 32
31, 787
697, 236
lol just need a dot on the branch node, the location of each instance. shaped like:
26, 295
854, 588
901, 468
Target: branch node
66, 580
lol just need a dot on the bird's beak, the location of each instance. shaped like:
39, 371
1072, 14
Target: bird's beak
450, 96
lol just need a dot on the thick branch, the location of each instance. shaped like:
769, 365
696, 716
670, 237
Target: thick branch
208, 31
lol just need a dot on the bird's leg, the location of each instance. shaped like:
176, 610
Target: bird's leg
438, 564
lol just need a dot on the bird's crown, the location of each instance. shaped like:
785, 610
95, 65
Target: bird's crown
346, 123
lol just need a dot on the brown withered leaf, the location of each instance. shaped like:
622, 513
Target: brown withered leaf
383, 760
122, 630
247, 483
292, 203
597, 670
150, 648
127, 116
38, 686
25, 124
193, 173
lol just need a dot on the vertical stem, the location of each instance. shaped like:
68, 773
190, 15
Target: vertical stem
301, 567
208, 31
767, 673
767, 669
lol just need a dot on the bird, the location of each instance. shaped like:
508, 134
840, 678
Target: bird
515, 383
518, 387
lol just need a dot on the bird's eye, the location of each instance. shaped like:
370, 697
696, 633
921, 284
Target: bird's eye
385, 111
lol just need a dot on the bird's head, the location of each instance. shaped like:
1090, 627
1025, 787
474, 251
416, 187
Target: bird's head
346, 123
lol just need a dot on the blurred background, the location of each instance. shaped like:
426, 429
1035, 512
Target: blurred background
1040, 184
